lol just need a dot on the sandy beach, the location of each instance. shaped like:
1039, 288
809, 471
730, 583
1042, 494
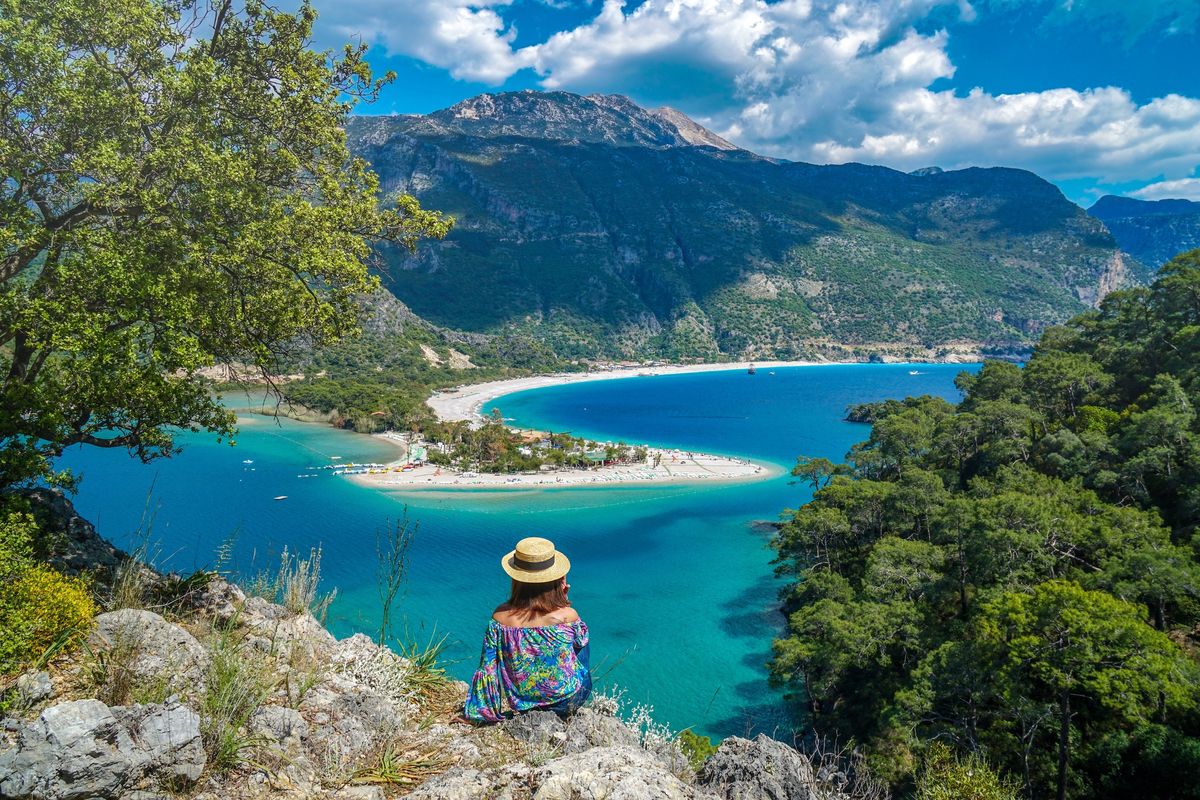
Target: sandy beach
674, 466
467, 402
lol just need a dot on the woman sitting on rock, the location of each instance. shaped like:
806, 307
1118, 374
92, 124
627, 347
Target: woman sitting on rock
535, 648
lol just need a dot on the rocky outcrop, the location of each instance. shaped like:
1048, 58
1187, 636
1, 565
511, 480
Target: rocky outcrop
85, 749
612, 773
74, 546
287, 710
152, 649
692, 132
762, 769
584, 730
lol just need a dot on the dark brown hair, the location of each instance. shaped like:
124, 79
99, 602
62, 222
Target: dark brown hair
529, 599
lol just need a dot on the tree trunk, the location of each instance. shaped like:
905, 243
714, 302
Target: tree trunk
1064, 743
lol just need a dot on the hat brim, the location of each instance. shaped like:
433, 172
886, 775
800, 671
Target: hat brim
560, 567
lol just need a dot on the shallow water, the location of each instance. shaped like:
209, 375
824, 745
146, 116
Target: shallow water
675, 582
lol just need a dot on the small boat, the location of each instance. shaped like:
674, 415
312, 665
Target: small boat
913, 372
247, 461
281, 497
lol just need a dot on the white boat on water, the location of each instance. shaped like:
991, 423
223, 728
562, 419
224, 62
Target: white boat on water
281, 497
247, 461
914, 372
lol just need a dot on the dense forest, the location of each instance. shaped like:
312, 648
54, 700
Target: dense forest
1017, 576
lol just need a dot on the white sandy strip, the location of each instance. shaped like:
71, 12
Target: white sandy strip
675, 466
467, 402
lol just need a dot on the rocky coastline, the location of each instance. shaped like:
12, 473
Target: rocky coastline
136, 713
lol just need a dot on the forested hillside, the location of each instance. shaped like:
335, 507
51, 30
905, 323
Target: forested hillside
605, 229
380, 379
1018, 576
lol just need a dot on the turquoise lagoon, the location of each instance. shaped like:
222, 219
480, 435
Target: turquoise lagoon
675, 582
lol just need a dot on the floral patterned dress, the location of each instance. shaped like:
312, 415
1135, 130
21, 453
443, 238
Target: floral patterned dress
521, 669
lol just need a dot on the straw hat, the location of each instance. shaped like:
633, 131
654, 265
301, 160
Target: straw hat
535, 561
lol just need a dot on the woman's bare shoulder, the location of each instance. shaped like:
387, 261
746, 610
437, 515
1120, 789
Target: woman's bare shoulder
566, 614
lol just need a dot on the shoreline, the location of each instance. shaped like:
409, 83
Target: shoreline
676, 466
465, 403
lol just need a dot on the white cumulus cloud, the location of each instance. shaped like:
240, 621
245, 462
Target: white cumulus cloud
1185, 188
815, 80
469, 40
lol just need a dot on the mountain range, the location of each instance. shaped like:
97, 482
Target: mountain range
604, 229
1152, 231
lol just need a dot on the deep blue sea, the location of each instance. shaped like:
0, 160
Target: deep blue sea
675, 582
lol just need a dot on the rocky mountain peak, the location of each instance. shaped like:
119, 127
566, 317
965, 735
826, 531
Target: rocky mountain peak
563, 116
691, 130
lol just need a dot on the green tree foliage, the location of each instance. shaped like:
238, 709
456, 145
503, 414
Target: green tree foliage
1017, 575
177, 193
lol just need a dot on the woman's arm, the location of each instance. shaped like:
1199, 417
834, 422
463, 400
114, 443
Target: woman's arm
485, 698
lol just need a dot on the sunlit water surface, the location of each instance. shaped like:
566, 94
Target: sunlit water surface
675, 582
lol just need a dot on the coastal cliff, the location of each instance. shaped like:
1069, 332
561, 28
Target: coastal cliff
211, 692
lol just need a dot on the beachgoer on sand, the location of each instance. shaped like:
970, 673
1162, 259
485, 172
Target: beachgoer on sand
535, 649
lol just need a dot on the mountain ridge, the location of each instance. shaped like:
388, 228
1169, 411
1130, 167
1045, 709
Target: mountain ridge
1153, 231
600, 228
567, 117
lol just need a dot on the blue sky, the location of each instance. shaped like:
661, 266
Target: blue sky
1099, 96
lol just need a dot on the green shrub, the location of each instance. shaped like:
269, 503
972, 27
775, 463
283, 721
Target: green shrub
946, 776
17, 532
696, 748
41, 611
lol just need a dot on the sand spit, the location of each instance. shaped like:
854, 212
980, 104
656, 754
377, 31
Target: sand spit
661, 465
675, 466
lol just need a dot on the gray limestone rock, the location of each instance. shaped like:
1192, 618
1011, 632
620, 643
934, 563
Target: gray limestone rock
218, 598
588, 728
33, 688
459, 783
156, 649
610, 773
360, 793
84, 749
581, 731
600, 773
762, 769
536, 727
278, 724
169, 736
